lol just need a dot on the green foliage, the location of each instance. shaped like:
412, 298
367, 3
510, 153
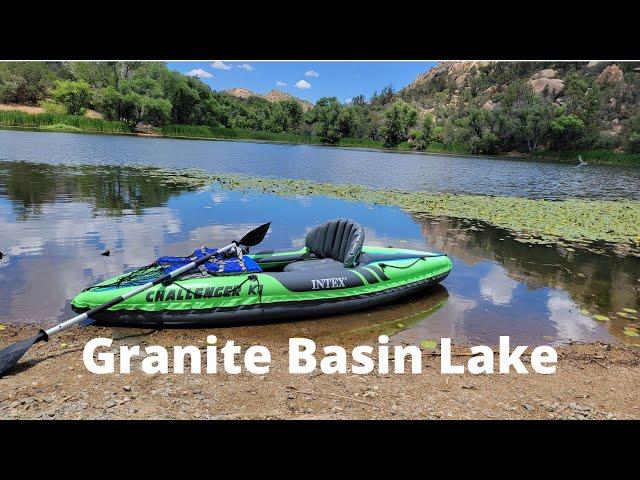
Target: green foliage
75, 95
203, 131
40, 120
398, 120
360, 142
632, 137
26, 82
49, 106
566, 131
591, 156
326, 119
422, 137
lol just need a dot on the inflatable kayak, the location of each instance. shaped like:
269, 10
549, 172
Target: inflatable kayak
334, 273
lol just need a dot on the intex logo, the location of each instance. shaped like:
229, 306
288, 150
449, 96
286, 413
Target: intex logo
322, 283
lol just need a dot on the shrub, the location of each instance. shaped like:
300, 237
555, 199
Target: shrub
74, 95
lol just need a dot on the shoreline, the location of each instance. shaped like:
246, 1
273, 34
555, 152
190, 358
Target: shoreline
592, 381
519, 157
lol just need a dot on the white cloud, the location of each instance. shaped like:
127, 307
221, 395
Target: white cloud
497, 287
246, 66
348, 100
280, 83
303, 85
198, 72
220, 65
311, 73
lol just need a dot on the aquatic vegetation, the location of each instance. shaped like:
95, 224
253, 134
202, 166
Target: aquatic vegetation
630, 310
428, 344
60, 127
591, 156
203, 131
55, 121
579, 222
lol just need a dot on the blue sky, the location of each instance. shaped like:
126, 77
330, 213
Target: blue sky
307, 80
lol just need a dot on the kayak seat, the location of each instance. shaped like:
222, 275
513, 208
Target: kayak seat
313, 265
339, 241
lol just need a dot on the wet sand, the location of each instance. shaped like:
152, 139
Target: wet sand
593, 381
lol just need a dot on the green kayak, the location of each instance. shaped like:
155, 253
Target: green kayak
334, 273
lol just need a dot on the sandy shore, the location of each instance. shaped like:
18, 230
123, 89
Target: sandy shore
593, 381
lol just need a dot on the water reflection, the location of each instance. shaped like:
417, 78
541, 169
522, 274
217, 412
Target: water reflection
407, 171
55, 221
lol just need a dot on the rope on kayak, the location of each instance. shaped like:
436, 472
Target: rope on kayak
185, 288
385, 265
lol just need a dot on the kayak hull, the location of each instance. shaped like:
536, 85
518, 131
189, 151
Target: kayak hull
383, 276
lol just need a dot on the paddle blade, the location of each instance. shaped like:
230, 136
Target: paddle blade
10, 355
255, 236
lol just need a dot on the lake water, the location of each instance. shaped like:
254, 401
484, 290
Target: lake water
406, 171
56, 219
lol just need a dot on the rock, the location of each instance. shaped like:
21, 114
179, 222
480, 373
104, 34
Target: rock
528, 408
461, 79
493, 89
592, 64
111, 404
127, 388
616, 126
490, 105
610, 75
554, 85
106, 253
546, 73
145, 129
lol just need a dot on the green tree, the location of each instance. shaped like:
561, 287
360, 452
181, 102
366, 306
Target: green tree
632, 135
75, 95
325, 119
26, 82
398, 119
527, 117
566, 131
421, 137
97, 74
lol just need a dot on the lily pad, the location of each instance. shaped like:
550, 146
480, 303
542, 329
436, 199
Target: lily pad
428, 344
584, 312
400, 325
629, 310
601, 318
630, 333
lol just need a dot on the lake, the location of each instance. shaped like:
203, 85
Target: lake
407, 171
56, 217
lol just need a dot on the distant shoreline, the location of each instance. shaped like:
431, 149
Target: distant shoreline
539, 158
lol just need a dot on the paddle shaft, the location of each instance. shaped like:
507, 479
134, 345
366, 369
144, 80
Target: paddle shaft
169, 276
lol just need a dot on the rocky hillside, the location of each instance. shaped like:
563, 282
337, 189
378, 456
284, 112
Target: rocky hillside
604, 93
273, 96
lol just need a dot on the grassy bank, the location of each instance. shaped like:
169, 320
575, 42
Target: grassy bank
203, 131
59, 122
74, 123
592, 156
579, 222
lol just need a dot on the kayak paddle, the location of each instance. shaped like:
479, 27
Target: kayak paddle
9, 356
